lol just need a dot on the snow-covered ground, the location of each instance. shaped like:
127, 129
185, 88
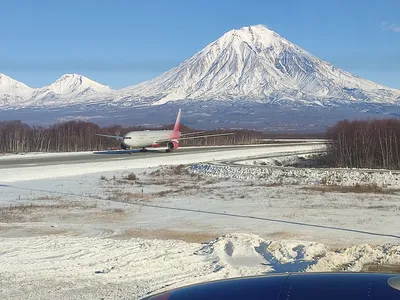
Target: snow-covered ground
106, 234
275, 161
19, 156
294, 176
29, 155
119, 163
55, 267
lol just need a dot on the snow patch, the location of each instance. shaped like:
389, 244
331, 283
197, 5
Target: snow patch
287, 175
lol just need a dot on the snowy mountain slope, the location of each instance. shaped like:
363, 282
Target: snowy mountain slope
68, 89
13, 91
77, 84
255, 63
250, 64
72, 88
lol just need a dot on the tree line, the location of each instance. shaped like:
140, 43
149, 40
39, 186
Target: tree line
365, 144
16, 136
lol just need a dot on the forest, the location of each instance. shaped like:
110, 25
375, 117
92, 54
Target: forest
365, 144
353, 144
16, 137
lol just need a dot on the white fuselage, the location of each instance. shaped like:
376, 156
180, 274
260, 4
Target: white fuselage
145, 139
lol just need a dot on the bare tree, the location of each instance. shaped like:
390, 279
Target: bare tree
366, 144
16, 136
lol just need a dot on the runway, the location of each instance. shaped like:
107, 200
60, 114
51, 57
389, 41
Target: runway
21, 161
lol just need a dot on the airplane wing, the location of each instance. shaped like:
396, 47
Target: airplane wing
196, 132
194, 137
111, 136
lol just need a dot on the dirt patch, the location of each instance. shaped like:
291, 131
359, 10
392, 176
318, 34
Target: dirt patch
359, 189
189, 237
282, 235
381, 268
128, 197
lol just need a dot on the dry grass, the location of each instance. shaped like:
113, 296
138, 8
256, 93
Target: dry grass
155, 173
179, 170
123, 182
153, 182
390, 208
189, 237
128, 197
49, 198
34, 212
210, 181
117, 210
377, 268
182, 189
174, 170
162, 193
108, 215
360, 189
282, 235
131, 176
31, 206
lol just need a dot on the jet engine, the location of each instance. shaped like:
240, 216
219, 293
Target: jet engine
172, 145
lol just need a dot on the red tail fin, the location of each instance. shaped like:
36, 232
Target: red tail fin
178, 121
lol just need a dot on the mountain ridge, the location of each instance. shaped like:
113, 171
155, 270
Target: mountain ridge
66, 87
256, 63
253, 64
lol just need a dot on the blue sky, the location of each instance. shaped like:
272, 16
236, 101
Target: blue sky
120, 43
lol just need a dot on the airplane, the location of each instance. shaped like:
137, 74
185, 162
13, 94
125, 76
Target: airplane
157, 138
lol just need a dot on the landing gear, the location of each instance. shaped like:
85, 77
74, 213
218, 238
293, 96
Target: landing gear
143, 150
168, 150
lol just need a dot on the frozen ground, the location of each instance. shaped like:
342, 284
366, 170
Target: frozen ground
56, 267
295, 176
284, 161
28, 155
119, 163
20, 156
111, 235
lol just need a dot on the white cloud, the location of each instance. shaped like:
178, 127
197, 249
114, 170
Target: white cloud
390, 27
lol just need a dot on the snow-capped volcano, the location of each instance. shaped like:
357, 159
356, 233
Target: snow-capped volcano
75, 84
255, 63
252, 64
13, 91
68, 89
71, 89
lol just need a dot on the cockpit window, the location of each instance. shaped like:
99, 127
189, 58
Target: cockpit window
127, 138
